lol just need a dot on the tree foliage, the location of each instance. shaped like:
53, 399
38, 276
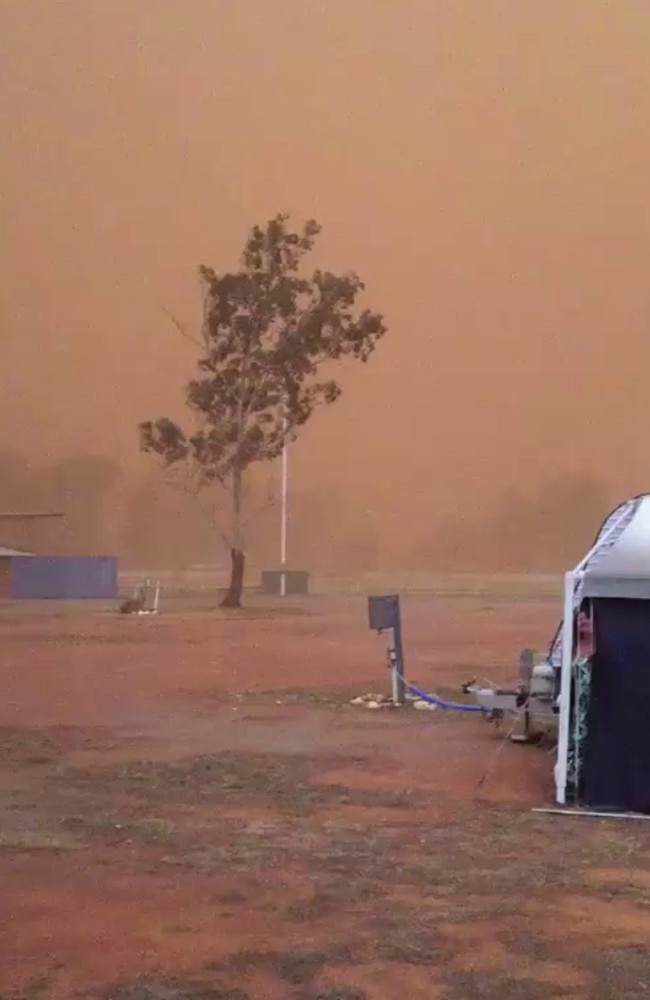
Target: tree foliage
267, 331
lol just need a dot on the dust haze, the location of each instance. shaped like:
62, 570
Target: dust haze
483, 166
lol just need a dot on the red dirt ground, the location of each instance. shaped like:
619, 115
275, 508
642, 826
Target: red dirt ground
191, 810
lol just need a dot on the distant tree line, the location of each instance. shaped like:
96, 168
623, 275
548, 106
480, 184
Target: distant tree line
541, 529
151, 525
81, 487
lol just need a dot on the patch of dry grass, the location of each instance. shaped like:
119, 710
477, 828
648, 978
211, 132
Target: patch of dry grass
389, 892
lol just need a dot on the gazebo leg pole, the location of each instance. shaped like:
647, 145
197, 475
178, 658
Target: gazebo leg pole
565, 690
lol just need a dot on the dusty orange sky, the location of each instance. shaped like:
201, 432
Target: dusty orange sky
484, 165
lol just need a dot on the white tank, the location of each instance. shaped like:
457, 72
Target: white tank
542, 681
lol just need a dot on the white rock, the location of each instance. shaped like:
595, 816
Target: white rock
424, 706
372, 704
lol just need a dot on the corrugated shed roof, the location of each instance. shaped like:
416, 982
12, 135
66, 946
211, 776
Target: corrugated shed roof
6, 552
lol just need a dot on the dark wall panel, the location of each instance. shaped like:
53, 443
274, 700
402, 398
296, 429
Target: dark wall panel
63, 577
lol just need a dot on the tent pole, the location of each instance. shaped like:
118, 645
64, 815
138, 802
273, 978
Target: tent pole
561, 766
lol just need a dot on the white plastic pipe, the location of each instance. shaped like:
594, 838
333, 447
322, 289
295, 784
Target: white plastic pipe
593, 814
392, 658
283, 520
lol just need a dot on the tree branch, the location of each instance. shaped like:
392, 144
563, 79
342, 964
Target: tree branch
181, 328
271, 502
190, 485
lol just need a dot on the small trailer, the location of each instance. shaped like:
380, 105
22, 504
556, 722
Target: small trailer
533, 702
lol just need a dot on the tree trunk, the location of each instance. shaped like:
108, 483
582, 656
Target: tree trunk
233, 595
236, 586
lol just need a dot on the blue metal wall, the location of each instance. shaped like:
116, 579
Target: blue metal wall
63, 577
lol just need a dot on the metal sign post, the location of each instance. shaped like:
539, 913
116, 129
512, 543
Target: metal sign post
384, 616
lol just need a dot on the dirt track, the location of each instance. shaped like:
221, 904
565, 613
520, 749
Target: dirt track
190, 810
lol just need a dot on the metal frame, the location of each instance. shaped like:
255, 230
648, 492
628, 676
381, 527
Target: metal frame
149, 593
561, 766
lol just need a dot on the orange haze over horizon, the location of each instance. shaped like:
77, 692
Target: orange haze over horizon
485, 167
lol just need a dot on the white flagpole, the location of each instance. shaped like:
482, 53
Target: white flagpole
283, 518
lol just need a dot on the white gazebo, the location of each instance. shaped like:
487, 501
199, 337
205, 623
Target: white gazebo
617, 566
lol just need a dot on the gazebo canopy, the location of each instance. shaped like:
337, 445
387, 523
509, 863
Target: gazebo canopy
619, 563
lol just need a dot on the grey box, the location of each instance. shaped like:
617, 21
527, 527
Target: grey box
383, 612
296, 581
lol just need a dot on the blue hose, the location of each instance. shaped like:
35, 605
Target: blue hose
432, 699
